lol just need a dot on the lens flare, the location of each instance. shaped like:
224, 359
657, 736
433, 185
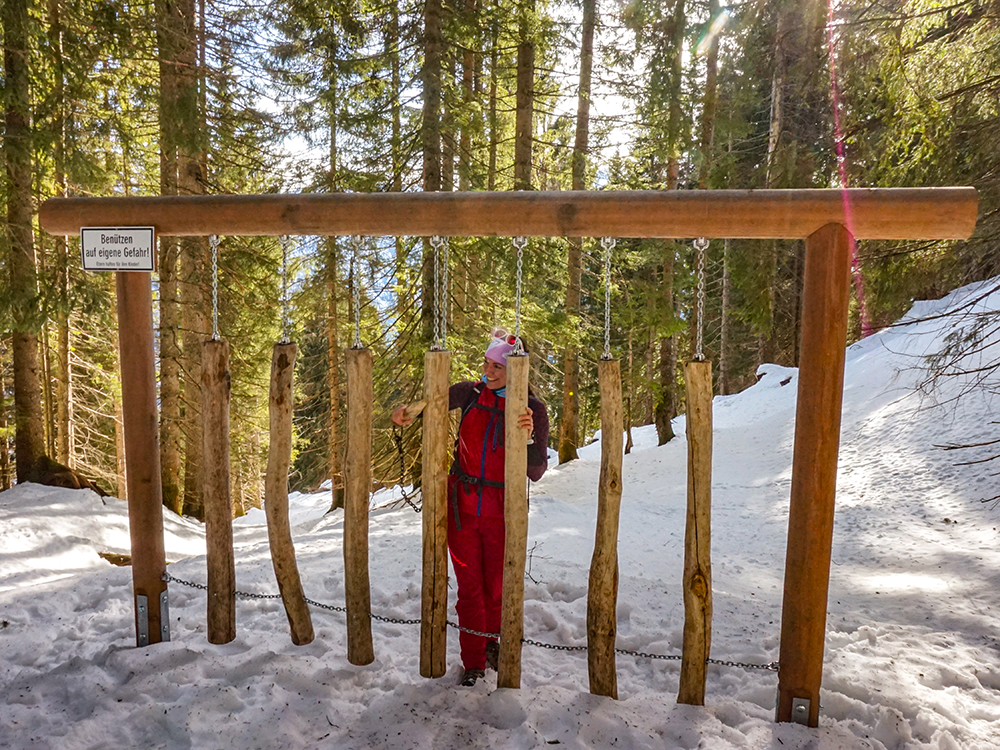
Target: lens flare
712, 33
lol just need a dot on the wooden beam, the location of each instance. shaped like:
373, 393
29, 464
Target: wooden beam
602, 590
215, 381
357, 495
869, 213
142, 453
279, 529
697, 536
434, 509
826, 293
515, 511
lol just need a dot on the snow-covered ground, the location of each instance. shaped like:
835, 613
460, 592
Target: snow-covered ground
912, 653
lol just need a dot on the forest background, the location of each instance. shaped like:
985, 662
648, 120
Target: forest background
199, 97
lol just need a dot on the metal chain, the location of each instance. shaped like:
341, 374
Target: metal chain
608, 244
439, 316
772, 666
520, 243
286, 322
356, 241
700, 245
397, 438
213, 241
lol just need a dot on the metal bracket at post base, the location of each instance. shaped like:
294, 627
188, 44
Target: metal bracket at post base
142, 619
800, 711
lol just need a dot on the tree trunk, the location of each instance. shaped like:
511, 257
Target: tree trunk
333, 370
724, 325
167, 33
569, 428
4, 444
29, 437
430, 137
666, 405
525, 98
193, 251
494, 142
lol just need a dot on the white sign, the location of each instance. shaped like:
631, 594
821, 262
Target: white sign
117, 248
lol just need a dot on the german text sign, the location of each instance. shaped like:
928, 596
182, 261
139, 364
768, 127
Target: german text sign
117, 248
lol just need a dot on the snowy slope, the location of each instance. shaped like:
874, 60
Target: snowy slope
913, 658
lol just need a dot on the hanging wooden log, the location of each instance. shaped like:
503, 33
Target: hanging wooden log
357, 493
826, 294
697, 536
515, 510
142, 455
602, 593
434, 509
279, 532
215, 383
872, 213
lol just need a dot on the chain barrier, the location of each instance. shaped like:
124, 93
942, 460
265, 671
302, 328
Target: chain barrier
520, 243
608, 244
356, 241
772, 666
700, 245
397, 438
213, 241
286, 320
440, 246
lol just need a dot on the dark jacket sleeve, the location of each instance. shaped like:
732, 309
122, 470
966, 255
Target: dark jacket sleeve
538, 451
460, 394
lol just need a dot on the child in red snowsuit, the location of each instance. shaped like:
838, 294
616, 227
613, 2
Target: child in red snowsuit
476, 530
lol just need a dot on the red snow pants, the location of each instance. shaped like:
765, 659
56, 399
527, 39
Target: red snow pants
477, 557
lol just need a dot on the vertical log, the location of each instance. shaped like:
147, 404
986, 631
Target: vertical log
357, 492
142, 452
697, 536
279, 531
434, 491
215, 381
602, 594
515, 510
814, 473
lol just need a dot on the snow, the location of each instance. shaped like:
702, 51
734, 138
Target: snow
912, 651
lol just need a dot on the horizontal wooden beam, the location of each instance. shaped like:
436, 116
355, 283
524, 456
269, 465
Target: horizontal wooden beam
868, 213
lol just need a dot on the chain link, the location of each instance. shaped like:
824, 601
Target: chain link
286, 321
700, 245
440, 245
213, 241
356, 242
520, 243
772, 666
608, 244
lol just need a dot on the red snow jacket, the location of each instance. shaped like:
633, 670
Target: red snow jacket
477, 474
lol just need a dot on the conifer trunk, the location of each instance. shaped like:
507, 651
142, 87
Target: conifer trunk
29, 436
430, 137
525, 98
569, 427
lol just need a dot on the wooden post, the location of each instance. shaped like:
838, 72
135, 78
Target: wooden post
515, 511
602, 594
697, 536
279, 531
142, 454
434, 509
826, 294
357, 493
215, 382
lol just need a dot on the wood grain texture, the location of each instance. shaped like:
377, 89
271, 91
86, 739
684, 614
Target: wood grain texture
870, 213
279, 531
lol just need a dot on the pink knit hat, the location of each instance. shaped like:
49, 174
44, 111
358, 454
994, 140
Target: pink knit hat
500, 346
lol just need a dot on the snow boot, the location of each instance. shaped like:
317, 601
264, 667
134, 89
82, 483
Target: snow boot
492, 654
470, 676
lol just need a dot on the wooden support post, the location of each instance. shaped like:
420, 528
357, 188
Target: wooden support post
602, 593
826, 294
215, 382
434, 509
279, 531
515, 511
142, 454
697, 536
357, 494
